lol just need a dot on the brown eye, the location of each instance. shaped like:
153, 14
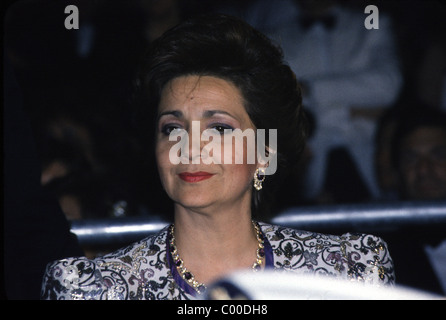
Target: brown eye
168, 128
221, 128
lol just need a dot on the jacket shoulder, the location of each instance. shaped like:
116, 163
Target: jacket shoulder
353, 256
115, 276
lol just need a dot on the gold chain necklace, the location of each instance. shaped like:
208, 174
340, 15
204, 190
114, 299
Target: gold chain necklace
189, 277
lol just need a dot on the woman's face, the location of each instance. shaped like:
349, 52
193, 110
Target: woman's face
423, 164
214, 104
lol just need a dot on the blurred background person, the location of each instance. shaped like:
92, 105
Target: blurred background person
35, 228
349, 75
92, 162
419, 156
76, 88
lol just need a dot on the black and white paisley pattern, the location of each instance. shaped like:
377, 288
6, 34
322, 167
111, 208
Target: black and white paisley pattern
359, 257
141, 271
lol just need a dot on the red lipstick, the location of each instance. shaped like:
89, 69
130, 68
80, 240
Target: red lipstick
195, 176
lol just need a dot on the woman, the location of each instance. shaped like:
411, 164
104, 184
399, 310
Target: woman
218, 74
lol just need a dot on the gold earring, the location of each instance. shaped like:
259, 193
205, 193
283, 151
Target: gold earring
259, 177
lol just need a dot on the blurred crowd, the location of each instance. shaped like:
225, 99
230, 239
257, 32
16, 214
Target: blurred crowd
375, 99
77, 87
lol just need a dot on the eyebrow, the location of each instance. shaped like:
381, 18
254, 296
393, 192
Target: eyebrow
210, 113
206, 114
175, 113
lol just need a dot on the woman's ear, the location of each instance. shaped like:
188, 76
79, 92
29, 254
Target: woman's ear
267, 153
268, 161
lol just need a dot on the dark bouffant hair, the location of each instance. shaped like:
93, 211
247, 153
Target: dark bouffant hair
230, 49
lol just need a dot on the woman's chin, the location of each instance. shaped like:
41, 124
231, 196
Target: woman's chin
193, 202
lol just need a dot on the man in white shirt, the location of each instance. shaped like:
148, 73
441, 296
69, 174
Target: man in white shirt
348, 73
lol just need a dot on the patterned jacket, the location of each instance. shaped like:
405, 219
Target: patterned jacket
144, 270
